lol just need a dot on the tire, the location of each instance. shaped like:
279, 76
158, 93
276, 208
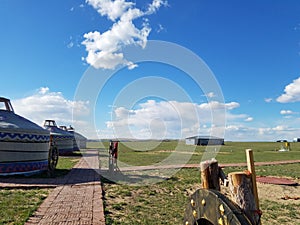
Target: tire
52, 159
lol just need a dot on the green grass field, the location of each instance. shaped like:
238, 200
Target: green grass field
16, 205
164, 202
147, 153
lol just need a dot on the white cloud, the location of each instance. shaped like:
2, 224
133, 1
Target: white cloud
105, 50
160, 28
286, 112
268, 100
43, 90
292, 92
45, 104
249, 119
240, 132
169, 119
70, 45
173, 119
155, 5
112, 9
210, 95
217, 105
277, 130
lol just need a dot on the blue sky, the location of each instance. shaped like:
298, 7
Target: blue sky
252, 48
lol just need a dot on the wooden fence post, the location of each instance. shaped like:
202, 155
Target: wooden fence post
251, 169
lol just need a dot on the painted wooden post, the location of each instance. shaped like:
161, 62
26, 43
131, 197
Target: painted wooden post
210, 174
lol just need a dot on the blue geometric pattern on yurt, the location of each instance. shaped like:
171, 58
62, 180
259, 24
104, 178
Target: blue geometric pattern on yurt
21, 167
23, 137
60, 137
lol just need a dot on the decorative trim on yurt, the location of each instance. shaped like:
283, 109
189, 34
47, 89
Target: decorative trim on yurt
79, 139
62, 139
24, 146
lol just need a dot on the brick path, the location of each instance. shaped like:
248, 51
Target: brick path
78, 200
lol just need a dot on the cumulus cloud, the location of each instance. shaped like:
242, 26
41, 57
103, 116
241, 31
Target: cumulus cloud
292, 92
105, 49
168, 119
112, 9
173, 119
44, 104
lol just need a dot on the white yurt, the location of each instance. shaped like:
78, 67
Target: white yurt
62, 139
24, 146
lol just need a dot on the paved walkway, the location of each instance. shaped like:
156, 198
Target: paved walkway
76, 200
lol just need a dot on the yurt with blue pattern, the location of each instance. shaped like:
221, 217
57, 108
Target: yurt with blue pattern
24, 146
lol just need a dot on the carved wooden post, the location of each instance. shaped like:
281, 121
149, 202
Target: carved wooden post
210, 174
243, 190
240, 186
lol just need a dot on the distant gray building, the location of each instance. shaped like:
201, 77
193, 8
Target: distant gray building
296, 140
204, 140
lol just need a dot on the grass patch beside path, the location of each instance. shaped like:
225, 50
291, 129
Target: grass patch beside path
17, 205
65, 164
161, 203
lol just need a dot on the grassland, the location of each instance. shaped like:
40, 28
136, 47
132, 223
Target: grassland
164, 202
16, 205
174, 152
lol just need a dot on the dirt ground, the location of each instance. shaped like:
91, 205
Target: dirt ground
280, 204
279, 193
